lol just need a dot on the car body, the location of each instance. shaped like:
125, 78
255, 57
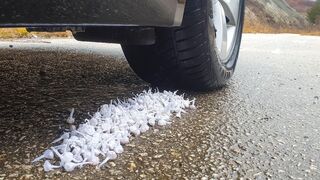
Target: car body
61, 13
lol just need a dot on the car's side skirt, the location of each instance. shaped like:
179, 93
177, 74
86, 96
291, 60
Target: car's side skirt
68, 13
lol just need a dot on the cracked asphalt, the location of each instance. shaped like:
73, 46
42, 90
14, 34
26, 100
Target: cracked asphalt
264, 125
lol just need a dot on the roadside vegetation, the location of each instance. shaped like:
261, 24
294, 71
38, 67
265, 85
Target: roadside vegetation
257, 27
314, 13
12, 33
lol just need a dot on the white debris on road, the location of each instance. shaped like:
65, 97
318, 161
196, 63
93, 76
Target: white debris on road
102, 137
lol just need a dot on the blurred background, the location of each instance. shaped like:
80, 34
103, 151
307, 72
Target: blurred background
262, 16
283, 16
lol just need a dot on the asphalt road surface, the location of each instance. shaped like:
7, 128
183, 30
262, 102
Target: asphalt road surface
264, 125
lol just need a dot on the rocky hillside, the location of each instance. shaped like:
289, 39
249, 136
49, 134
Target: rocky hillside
275, 13
302, 6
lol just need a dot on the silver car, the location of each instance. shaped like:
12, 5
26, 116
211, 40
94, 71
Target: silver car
190, 44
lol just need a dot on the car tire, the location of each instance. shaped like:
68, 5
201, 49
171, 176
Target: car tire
190, 56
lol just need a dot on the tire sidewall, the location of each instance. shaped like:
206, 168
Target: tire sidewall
224, 71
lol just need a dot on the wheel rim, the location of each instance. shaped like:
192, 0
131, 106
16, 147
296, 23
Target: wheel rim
225, 20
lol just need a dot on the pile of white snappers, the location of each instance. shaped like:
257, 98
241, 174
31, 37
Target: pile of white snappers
102, 137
